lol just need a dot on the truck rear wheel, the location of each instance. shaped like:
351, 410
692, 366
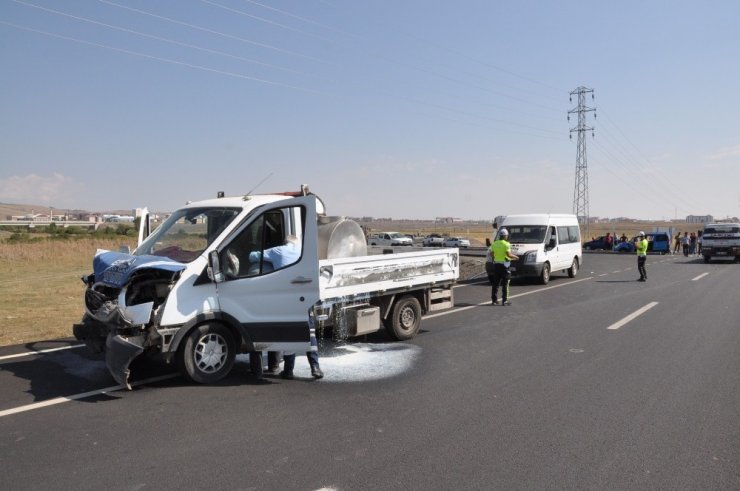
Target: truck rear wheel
405, 318
208, 353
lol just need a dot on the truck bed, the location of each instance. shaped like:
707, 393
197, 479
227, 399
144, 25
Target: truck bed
367, 274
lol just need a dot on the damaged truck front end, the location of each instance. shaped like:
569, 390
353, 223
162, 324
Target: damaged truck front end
124, 299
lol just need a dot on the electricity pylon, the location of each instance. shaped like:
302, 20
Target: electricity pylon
580, 192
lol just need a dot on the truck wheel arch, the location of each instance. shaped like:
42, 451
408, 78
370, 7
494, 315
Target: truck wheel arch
227, 320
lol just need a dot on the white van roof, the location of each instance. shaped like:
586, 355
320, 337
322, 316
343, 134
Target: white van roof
540, 218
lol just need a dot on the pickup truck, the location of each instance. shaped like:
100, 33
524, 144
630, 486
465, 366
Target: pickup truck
389, 239
203, 286
433, 240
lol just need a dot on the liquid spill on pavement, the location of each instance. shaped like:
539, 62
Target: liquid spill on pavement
357, 362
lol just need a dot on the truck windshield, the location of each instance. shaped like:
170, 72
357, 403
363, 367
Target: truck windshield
187, 233
526, 234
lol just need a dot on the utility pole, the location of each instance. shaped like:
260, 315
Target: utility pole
580, 192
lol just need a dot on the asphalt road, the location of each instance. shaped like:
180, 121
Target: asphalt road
597, 382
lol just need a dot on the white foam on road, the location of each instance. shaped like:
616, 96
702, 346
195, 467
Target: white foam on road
357, 362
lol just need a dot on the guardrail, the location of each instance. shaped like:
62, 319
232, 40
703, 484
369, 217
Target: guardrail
32, 224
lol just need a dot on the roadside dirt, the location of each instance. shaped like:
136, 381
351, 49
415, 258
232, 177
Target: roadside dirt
472, 267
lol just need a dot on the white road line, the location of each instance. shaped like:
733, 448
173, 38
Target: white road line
699, 277
462, 309
617, 271
39, 352
603, 274
60, 400
633, 315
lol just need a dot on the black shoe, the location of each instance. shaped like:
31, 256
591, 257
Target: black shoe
642, 279
316, 372
286, 375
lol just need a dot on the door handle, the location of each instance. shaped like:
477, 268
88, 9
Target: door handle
301, 279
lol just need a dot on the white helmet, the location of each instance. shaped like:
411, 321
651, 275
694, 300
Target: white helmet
503, 232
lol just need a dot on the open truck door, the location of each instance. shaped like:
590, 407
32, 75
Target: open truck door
144, 226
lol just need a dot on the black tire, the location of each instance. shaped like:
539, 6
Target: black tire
208, 354
573, 270
405, 318
545, 275
707, 259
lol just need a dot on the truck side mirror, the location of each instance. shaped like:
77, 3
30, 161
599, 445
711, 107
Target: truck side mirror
214, 268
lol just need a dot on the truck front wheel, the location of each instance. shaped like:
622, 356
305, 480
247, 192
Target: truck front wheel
208, 354
405, 318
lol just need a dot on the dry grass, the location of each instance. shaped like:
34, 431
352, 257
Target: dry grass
41, 293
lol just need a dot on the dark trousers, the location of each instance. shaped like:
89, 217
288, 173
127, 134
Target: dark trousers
641, 260
256, 362
500, 276
289, 360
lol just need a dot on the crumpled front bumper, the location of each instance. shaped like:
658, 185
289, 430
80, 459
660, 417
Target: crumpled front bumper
119, 353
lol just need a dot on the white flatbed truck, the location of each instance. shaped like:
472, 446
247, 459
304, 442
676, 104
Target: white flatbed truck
199, 289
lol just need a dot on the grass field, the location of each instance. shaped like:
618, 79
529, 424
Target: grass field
41, 294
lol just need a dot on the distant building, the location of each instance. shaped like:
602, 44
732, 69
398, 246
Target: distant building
699, 219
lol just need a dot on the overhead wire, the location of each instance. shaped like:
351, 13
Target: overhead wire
668, 192
542, 133
158, 38
162, 59
406, 65
109, 2
217, 33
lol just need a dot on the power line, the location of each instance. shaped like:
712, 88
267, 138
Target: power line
165, 60
211, 31
158, 38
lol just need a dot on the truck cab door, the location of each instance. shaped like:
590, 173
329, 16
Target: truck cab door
267, 293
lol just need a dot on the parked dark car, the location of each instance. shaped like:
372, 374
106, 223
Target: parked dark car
597, 244
658, 242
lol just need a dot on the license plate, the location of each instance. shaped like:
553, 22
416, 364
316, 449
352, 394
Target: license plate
721, 253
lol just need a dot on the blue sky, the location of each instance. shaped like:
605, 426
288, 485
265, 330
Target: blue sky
403, 109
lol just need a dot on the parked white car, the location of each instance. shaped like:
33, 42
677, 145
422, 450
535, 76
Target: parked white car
456, 242
389, 239
433, 240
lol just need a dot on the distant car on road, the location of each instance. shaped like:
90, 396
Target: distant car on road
433, 240
599, 243
658, 242
456, 242
389, 239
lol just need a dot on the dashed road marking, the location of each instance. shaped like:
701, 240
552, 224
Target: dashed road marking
699, 277
632, 316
